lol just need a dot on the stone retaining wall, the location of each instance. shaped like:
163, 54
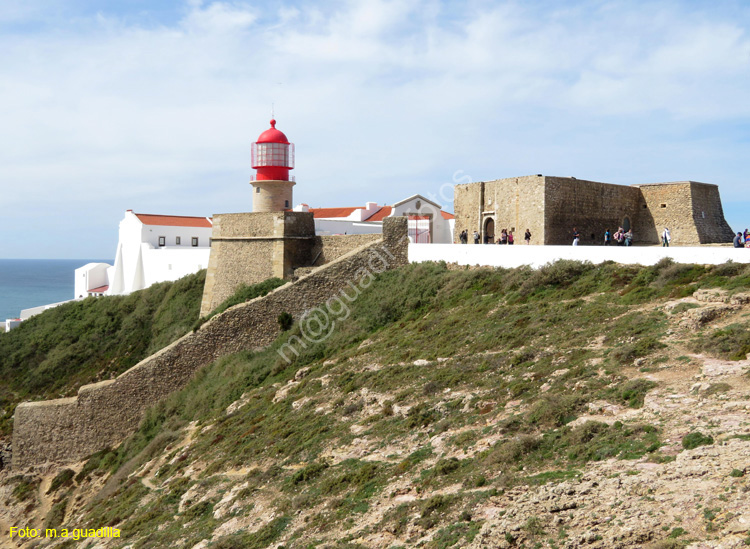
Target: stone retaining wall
103, 414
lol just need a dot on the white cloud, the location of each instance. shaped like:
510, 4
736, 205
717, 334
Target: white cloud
101, 109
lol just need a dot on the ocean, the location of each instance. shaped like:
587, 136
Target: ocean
26, 283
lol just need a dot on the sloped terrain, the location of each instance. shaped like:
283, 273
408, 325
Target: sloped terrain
52, 354
573, 406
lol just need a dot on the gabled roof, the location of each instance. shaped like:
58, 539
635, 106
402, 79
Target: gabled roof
174, 220
447, 215
99, 290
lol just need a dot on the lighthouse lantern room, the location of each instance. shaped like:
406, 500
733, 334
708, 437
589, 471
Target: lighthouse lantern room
272, 158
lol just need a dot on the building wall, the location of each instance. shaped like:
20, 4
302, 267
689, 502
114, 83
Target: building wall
515, 204
272, 196
589, 206
692, 212
708, 214
91, 275
331, 247
249, 248
103, 414
467, 205
328, 227
552, 206
668, 205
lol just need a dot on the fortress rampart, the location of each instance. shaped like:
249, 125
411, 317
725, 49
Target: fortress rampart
550, 207
103, 414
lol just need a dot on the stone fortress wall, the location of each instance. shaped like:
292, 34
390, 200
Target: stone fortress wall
552, 206
103, 414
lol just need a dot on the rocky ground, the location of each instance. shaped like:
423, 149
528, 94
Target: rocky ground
697, 498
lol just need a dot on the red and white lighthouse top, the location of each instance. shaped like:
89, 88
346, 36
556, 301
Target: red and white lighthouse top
272, 135
273, 155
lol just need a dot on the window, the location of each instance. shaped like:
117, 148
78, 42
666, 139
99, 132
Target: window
286, 203
162, 241
177, 240
257, 190
663, 205
195, 241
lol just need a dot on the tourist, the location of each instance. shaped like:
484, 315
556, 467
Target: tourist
527, 236
476, 237
510, 238
628, 237
576, 236
745, 236
607, 238
738, 241
503, 237
666, 238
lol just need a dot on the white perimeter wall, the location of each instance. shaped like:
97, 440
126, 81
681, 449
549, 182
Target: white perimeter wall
495, 255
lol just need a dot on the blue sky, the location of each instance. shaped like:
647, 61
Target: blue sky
152, 106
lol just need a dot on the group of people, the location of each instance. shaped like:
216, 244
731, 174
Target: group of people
741, 240
620, 238
506, 237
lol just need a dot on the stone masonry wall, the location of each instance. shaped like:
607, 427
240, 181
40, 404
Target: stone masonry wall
708, 214
328, 248
247, 248
103, 414
589, 206
668, 205
516, 204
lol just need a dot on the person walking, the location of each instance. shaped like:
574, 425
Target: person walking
510, 238
527, 236
738, 241
607, 238
476, 237
503, 237
576, 236
666, 238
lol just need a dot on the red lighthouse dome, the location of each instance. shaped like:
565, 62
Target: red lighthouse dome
272, 155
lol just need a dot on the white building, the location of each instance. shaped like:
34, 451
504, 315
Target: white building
158, 248
151, 248
428, 223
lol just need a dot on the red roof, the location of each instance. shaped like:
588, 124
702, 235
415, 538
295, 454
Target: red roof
174, 220
447, 215
98, 290
332, 212
272, 135
381, 214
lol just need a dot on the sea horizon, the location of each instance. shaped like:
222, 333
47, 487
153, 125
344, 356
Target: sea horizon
27, 283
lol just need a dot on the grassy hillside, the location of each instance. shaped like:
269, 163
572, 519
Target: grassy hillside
52, 354
446, 408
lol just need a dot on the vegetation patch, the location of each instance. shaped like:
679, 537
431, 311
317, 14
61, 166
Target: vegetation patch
695, 439
730, 343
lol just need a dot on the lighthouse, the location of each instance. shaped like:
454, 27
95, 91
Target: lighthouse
272, 158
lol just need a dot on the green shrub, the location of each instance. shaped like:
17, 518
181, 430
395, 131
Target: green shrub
695, 439
631, 392
285, 321
63, 478
731, 343
56, 514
